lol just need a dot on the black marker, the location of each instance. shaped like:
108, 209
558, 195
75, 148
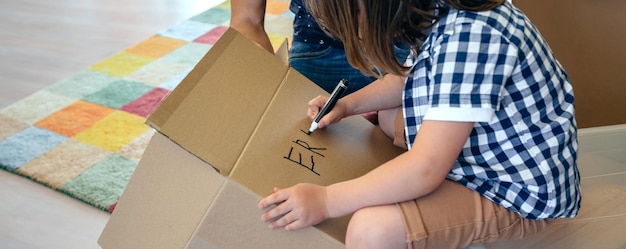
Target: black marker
330, 103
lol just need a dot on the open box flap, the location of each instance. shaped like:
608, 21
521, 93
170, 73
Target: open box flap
166, 199
214, 110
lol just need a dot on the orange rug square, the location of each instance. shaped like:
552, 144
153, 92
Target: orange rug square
74, 118
156, 46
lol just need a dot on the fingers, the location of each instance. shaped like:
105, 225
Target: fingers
278, 198
275, 213
296, 207
295, 225
315, 105
279, 216
283, 221
283, 216
275, 198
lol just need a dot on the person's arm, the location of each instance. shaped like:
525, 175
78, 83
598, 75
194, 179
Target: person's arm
411, 175
248, 17
382, 94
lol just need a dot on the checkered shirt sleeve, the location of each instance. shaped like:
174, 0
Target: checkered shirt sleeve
494, 68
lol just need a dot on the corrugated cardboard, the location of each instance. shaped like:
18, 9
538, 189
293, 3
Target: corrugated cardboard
591, 51
240, 112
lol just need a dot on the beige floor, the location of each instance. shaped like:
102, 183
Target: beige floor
42, 42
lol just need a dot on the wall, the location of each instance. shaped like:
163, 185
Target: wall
588, 38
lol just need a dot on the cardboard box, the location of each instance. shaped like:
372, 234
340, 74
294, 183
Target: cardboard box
230, 132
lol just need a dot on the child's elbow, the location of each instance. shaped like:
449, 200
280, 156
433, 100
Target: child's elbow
430, 178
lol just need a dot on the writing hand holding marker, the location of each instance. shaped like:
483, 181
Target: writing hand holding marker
330, 103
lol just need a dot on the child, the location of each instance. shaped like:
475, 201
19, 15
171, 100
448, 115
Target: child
487, 116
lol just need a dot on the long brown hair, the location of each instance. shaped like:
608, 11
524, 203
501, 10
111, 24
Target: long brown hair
369, 41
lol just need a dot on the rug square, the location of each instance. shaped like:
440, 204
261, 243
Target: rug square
118, 93
145, 105
217, 16
36, 106
134, 150
288, 15
62, 163
281, 26
277, 40
225, 5
176, 80
276, 7
156, 46
81, 84
9, 126
74, 118
121, 64
189, 54
212, 36
27, 145
113, 131
164, 71
103, 183
187, 30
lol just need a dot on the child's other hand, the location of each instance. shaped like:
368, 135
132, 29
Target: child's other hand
296, 207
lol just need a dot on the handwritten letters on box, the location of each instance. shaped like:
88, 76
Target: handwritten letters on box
303, 154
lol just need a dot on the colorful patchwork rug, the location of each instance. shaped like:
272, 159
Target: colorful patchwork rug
84, 135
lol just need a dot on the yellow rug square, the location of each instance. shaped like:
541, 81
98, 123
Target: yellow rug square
121, 64
114, 131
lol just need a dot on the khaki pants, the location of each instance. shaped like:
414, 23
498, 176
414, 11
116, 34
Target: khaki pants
454, 216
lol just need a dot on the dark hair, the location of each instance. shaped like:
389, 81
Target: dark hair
370, 45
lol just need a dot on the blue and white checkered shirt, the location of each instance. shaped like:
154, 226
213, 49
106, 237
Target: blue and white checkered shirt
495, 69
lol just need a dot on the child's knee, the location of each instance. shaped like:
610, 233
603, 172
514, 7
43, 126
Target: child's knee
375, 226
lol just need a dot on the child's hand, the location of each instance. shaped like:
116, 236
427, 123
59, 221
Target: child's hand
334, 116
296, 207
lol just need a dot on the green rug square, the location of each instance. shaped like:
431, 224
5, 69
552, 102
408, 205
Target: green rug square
82, 84
189, 54
187, 30
118, 93
103, 183
215, 16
